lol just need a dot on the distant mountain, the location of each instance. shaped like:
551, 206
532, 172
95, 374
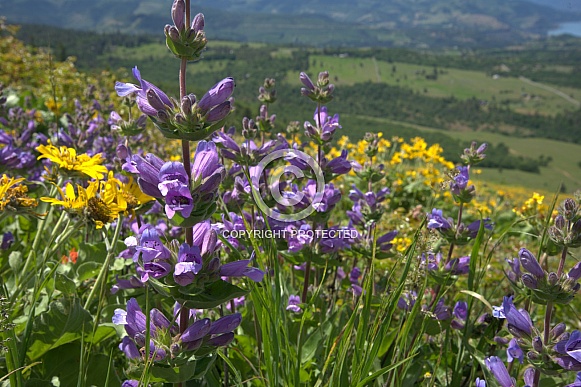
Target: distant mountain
410, 23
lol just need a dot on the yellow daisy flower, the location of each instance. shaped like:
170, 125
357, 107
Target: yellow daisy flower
14, 195
68, 159
97, 203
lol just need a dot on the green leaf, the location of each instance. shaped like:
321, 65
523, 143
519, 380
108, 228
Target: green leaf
65, 284
63, 362
103, 332
313, 342
61, 324
92, 252
88, 270
165, 373
203, 366
213, 295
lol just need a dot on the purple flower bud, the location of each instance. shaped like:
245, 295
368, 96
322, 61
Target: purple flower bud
538, 344
7, 240
217, 95
499, 371
530, 263
226, 324
480, 382
560, 222
219, 112
198, 23
529, 376
553, 278
529, 281
222, 340
178, 14
518, 319
206, 160
558, 330
461, 310
196, 331
241, 268
129, 348
575, 272
307, 82
482, 148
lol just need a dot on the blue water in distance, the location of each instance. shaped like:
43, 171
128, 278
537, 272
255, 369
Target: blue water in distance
572, 28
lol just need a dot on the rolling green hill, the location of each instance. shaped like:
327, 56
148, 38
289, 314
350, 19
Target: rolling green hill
418, 23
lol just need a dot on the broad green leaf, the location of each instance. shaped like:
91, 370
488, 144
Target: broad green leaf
61, 324
65, 284
88, 270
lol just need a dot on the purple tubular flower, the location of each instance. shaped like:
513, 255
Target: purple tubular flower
226, 324
150, 246
196, 331
437, 221
198, 23
460, 180
339, 165
148, 169
219, 112
407, 301
304, 78
178, 199
157, 269
222, 340
178, 14
132, 283
293, 304
529, 377
458, 265
570, 346
514, 274
206, 160
218, 94
480, 382
130, 383
240, 269
529, 281
530, 263
189, 264
514, 352
475, 226
574, 273
125, 89
499, 371
173, 170
441, 311
461, 310
7, 240
129, 348
518, 320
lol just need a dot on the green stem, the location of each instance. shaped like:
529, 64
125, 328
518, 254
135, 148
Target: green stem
39, 234
105, 269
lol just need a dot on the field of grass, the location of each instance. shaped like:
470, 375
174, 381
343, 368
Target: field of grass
520, 95
563, 169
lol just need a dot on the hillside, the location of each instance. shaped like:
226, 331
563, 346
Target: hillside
419, 23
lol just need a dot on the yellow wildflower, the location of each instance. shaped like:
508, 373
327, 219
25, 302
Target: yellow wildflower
14, 195
68, 159
97, 203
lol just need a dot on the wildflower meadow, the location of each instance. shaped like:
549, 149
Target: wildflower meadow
144, 242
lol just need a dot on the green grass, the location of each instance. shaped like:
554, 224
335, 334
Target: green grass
463, 84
